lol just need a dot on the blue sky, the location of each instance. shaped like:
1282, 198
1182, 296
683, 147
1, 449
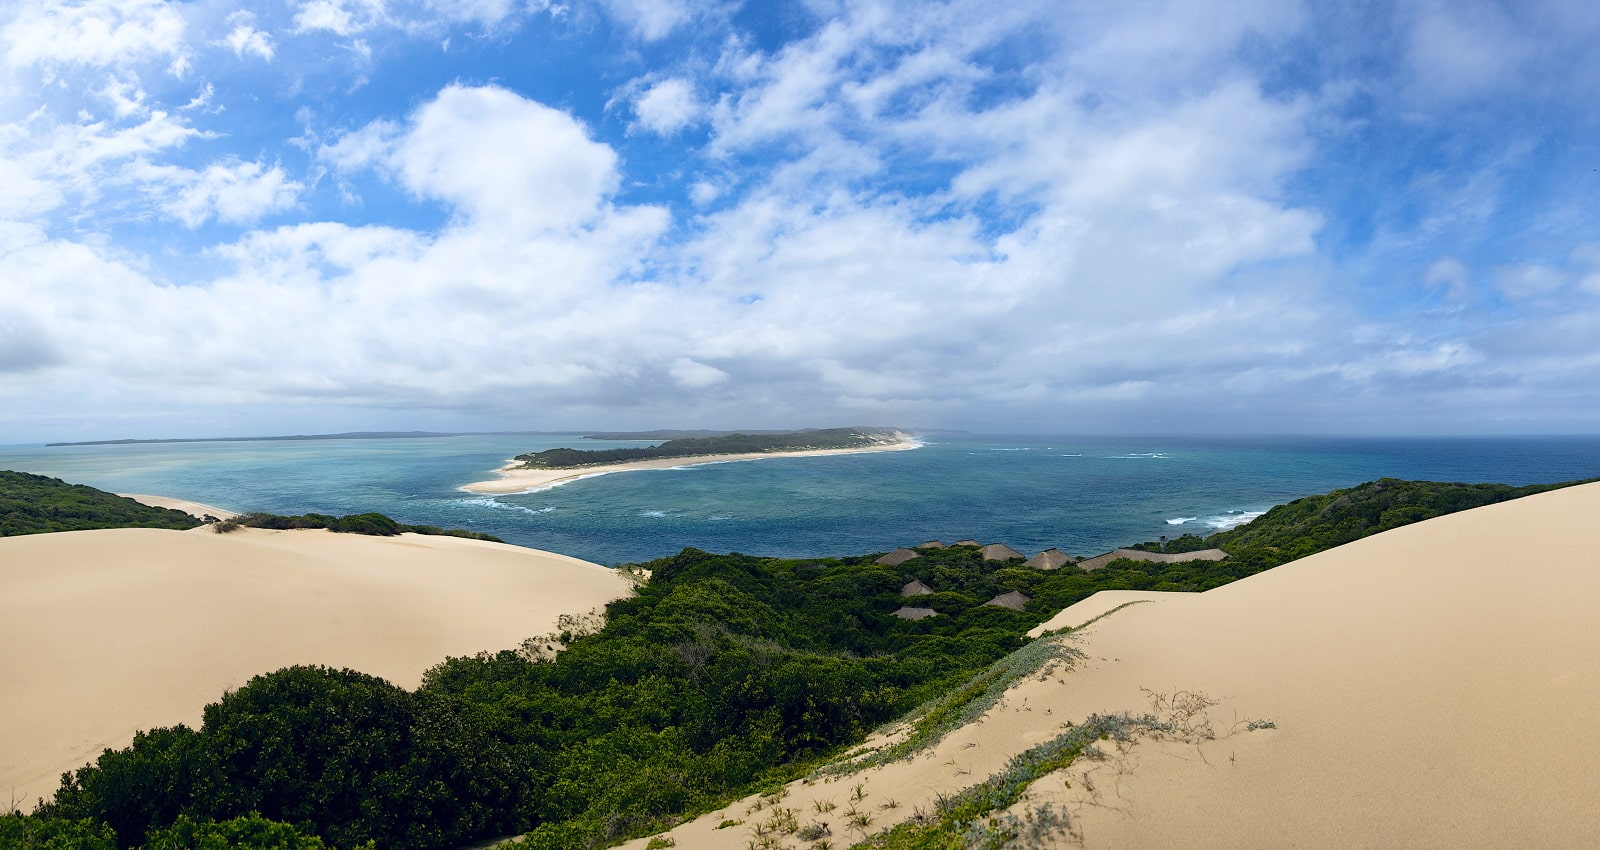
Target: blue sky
1167, 217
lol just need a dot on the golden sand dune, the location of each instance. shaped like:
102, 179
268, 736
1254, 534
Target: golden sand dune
1432, 686
109, 632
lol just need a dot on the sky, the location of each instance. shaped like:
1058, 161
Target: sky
306, 216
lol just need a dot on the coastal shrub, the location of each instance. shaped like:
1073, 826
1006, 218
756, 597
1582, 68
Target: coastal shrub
375, 524
37, 504
18, 832
251, 832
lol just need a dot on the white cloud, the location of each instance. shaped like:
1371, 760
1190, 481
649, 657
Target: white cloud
236, 193
340, 17
498, 158
696, 375
96, 33
667, 106
247, 39
650, 20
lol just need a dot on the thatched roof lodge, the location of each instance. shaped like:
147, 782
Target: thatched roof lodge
1015, 600
1049, 559
915, 613
898, 557
1099, 561
966, 543
1001, 552
915, 587
931, 544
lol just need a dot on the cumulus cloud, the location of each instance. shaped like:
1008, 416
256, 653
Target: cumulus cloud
649, 20
340, 17
236, 193
667, 106
96, 33
499, 158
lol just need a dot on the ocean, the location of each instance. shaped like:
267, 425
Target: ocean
1084, 495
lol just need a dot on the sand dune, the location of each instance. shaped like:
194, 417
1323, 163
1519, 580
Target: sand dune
108, 632
516, 479
1433, 686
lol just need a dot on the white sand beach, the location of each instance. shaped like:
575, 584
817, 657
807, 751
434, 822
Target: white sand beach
195, 509
109, 632
514, 479
1432, 686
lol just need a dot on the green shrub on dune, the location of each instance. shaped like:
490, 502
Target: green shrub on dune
36, 504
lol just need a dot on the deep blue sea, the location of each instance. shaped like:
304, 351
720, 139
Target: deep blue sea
1084, 495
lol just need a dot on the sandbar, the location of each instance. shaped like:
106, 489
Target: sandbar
109, 632
514, 479
1431, 686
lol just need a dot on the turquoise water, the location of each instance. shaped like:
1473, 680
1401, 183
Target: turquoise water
1082, 494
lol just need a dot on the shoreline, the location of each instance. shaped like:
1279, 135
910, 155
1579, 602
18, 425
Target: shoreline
515, 480
198, 510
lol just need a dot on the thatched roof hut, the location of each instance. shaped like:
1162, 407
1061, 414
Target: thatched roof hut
915, 613
1049, 559
915, 587
931, 544
898, 557
1001, 552
1099, 561
966, 543
1014, 600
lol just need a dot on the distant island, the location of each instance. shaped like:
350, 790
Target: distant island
537, 470
734, 443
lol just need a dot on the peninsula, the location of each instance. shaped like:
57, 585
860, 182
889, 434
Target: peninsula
536, 470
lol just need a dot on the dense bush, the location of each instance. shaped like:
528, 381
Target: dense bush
34, 504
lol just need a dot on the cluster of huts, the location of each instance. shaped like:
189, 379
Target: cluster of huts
1049, 559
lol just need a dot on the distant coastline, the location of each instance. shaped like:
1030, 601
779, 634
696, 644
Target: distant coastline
517, 478
347, 435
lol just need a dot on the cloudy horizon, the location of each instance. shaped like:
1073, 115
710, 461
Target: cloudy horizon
226, 219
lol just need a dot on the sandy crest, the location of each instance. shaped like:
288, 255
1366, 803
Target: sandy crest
108, 632
514, 479
1433, 686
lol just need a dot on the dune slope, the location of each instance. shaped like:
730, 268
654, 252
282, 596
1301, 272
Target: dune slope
1431, 686
109, 632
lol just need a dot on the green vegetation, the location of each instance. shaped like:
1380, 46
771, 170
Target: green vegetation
35, 504
727, 444
1309, 525
369, 523
724, 675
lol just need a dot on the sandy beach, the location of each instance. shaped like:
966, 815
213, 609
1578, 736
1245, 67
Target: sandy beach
195, 509
109, 632
514, 479
1432, 686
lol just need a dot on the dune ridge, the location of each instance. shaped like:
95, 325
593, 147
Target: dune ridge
1430, 686
113, 631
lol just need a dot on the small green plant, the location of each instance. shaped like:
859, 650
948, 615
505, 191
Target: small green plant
823, 806
729, 822
814, 831
661, 842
